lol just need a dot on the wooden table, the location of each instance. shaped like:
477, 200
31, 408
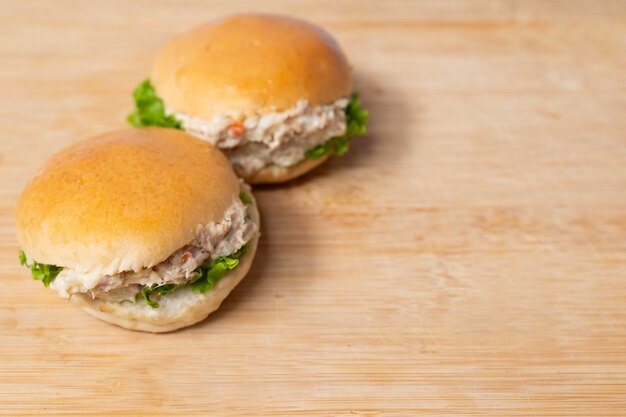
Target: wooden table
467, 257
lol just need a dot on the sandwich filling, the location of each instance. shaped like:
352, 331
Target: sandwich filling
216, 249
252, 143
277, 138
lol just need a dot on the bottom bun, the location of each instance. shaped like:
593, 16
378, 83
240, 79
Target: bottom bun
275, 175
180, 309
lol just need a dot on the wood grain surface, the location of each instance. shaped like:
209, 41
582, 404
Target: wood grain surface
467, 257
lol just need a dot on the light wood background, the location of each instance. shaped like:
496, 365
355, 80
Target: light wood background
467, 257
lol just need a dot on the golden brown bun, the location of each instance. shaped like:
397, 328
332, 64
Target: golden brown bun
124, 200
179, 309
250, 64
275, 175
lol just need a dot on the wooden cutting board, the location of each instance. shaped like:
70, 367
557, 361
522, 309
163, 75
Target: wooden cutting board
467, 257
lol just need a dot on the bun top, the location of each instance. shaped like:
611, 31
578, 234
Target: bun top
250, 64
124, 200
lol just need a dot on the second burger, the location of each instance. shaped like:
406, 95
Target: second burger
274, 93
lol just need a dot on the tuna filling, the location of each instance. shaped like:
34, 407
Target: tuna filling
275, 138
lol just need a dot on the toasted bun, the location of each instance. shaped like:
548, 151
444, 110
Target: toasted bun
179, 309
275, 175
124, 200
250, 64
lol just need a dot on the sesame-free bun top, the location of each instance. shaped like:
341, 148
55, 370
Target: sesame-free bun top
250, 64
124, 200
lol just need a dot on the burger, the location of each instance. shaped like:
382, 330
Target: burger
149, 229
274, 93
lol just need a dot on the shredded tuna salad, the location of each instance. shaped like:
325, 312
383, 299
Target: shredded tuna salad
276, 138
212, 241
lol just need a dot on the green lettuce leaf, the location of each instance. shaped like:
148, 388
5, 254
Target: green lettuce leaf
161, 290
149, 109
165, 289
245, 198
205, 279
209, 275
356, 124
41, 272
146, 292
